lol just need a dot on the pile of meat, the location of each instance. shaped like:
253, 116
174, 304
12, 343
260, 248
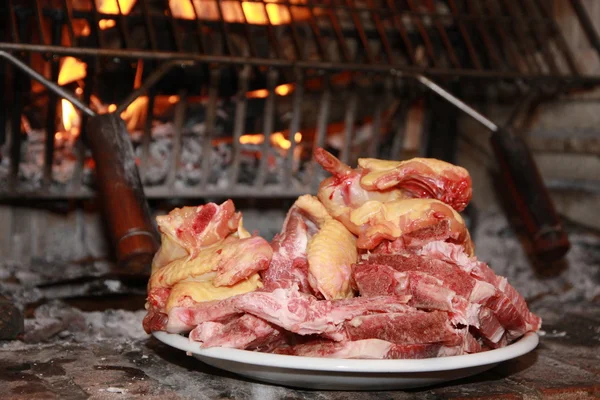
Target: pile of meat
378, 265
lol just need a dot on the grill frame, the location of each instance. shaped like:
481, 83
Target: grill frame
542, 31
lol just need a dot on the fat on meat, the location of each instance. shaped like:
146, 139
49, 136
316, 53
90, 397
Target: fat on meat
290, 309
245, 332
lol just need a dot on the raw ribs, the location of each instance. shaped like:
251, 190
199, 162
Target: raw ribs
379, 265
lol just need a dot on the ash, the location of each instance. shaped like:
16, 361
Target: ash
57, 322
578, 277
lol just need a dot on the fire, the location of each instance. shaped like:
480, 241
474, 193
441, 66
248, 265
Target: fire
277, 139
252, 139
70, 116
254, 12
112, 7
281, 90
71, 70
135, 113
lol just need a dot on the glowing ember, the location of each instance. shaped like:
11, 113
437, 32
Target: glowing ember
112, 7
71, 70
252, 12
252, 139
281, 90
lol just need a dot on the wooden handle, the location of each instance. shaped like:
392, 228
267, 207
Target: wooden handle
530, 196
121, 193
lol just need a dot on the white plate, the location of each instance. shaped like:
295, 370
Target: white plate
341, 374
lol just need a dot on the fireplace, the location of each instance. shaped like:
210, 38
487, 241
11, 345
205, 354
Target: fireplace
228, 99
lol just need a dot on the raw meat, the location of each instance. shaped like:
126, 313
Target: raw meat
415, 327
387, 232
367, 349
400, 219
292, 310
241, 333
289, 266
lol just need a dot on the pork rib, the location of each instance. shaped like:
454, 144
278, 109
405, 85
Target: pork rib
292, 310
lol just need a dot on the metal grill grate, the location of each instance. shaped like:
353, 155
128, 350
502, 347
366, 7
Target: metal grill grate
309, 43
502, 39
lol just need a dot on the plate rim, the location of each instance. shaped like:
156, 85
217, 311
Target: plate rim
522, 346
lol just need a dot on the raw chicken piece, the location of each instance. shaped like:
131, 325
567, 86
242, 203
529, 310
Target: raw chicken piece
384, 181
408, 220
196, 290
330, 252
185, 231
342, 192
419, 177
232, 259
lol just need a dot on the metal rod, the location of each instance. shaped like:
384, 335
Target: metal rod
211, 120
177, 141
149, 25
322, 121
489, 46
361, 32
330, 66
586, 24
294, 126
385, 43
52, 107
199, 35
399, 24
373, 148
349, 120
150, 81
173, 24
465, 36
56, 89
561, 42
458, 103
147, 137
269, 115
423, 32
316, 32
248, 34
510, 47
239, 124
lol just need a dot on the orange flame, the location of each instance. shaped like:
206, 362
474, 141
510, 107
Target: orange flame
70, 117
281, 90
112, 7
71, 70
253, 12
277, 139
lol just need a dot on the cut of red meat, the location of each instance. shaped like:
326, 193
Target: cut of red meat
426, 291
241, 333
489, 326
452, 276
289, 265
507, 304
290, 309
416, 327
368, 349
